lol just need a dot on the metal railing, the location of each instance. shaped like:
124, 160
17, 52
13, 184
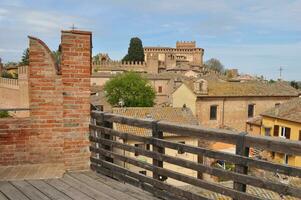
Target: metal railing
104, 144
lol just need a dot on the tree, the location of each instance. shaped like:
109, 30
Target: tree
129, 89
214, 64
5, 74
295, 84
25, 57
135, 51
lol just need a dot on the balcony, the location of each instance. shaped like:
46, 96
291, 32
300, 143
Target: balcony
108, 151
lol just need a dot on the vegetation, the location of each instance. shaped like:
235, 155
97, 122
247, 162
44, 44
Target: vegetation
296, 84
25, 57
4, 114
135, 51
5, 74
95, 58
57, 56
129, 89
215, 64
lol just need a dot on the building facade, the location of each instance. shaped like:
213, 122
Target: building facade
221, 104
284, 121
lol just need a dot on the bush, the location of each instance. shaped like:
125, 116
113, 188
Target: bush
4, 114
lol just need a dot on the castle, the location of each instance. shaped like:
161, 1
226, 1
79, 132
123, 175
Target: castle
186, 56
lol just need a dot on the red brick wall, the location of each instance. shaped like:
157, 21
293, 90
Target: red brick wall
57, 130
14, 136
46, 104
76, 72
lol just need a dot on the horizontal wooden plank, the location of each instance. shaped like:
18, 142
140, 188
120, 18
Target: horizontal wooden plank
11, 192
236, 159
119, 185
276, 144
107, 168
157, 184
178, 176
30, 191
245, 179
48, 190
110, 117
221, 135
209, 134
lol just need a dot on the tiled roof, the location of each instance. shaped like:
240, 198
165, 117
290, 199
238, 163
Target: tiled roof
256, 191
98, 98
178, 115
255, 121
290, 110
219, 87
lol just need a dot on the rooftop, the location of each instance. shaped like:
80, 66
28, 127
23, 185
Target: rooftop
219, 87
178, 115
290, 110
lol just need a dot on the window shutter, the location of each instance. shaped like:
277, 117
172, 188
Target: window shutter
288, 133
276, 130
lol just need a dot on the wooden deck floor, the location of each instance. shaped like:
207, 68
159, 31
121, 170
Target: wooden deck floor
72, 186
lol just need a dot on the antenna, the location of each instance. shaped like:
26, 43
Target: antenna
73, 27
280, 72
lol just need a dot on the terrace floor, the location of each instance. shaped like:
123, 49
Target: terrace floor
72, 186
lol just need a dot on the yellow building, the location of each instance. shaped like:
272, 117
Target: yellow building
177, 115
284, 121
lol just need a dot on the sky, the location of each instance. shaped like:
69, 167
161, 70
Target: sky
255, 36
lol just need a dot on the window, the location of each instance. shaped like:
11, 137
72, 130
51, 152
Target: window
180, 150
213, 112
273, 154
251, 110
299, 135
143, 172
142, 146
160, 89
285, 132
286, 157
267, 131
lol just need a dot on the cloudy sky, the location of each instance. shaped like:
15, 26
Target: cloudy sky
255, 36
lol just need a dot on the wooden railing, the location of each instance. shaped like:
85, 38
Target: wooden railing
104, 144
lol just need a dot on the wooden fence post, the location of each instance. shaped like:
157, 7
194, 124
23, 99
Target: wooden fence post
242, 150
106, 124
159, 135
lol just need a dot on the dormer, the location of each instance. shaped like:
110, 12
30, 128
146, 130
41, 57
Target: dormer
201, 86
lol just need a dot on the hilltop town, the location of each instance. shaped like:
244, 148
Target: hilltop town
197, 114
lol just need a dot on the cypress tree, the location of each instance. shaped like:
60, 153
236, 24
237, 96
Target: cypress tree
135, 51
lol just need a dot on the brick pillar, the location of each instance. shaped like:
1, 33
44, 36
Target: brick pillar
76, 71
45, 103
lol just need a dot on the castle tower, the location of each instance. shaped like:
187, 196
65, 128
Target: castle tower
153, 63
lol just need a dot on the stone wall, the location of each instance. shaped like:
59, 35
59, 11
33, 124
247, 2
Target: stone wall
57, 129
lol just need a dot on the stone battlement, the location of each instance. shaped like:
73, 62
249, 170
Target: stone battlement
185, 44
173, 50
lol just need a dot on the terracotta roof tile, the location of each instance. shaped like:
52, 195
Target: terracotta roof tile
178, 115
219, 87
290, 110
